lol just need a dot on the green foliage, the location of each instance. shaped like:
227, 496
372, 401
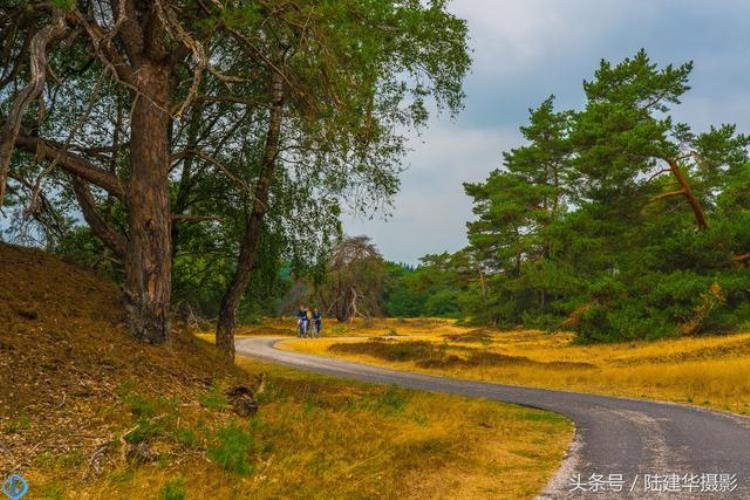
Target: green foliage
357, 76
186, 437
234, 444
79, 246
393, 399
140, 406
66, 5
432, 289
146, 429
153, 417
614, 220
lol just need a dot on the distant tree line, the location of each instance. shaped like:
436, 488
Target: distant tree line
614, 221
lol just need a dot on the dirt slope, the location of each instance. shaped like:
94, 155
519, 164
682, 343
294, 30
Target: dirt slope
66, 364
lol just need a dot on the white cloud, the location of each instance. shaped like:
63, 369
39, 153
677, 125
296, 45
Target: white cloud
431, 211
512, 37
525, 50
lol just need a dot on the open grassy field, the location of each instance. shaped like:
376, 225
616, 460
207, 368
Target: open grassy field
711, 371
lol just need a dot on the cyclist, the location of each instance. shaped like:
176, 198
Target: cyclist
302, 321
317, 321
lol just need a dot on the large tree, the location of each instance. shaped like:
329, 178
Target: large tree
127, 104
355, 280
517, 208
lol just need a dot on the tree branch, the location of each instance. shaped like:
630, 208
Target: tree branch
130, 32
18, 62
213, 161
111, 238
12, 126
72, 163
55, 223
195, 218
695, 205
175, 28
670, 194
657, 174
105, 51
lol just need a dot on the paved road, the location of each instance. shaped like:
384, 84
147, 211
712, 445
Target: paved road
614, 436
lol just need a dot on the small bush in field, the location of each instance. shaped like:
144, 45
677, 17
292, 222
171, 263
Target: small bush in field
401, 351
140, 406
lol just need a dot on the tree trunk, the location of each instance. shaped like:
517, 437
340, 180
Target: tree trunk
253, 227
148, 265
482, 286
700, 217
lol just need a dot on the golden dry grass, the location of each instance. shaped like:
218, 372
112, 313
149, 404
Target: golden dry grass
87, 412
708, 370
321, 438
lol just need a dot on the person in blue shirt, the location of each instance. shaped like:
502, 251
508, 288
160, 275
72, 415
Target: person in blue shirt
318, 319
302, 321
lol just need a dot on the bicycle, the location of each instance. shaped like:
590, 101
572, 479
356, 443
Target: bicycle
302, 329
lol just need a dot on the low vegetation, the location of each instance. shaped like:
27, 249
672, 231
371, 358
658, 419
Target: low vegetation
117, 419
709, 370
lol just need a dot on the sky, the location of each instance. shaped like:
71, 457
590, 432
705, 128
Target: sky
523, 51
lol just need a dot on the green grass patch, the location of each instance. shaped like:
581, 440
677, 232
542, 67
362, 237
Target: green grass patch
185, 437
174, 489
214, 399
233, 445
17, 425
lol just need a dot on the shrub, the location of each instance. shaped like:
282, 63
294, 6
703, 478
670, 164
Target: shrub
153, 417
398, 351
140, 406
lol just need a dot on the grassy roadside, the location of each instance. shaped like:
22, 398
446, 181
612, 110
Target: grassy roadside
317, 437
712, 371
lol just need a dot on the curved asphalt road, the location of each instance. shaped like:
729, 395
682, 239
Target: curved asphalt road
614, 436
